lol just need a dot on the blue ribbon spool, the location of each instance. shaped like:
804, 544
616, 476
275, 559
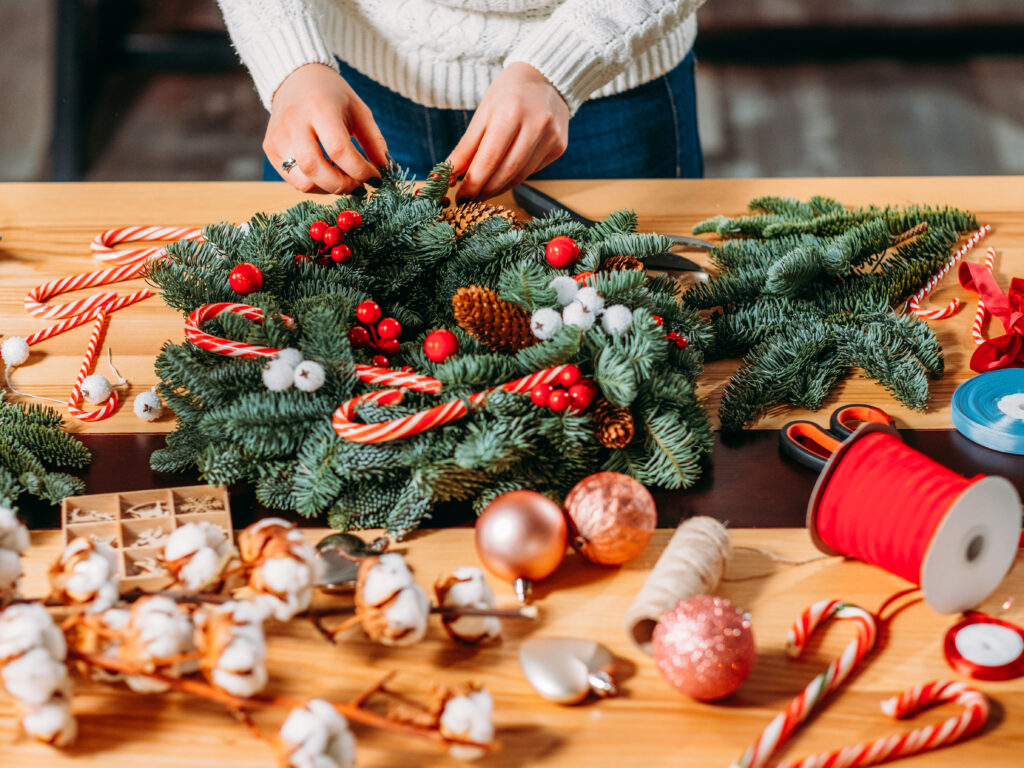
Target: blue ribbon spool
989, 409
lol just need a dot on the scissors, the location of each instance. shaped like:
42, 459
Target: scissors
808, 444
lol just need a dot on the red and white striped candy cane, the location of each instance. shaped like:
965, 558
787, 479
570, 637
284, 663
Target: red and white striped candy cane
981, 312
949, 731
76, 320
35, 300
428, 419
75, 398
914, 303
780, 728
102, 249
370, 374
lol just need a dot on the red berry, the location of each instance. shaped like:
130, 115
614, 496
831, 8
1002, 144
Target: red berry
316, 230
325, 261
440, 345
561, 252
569, 376
359, 336
389, 346
589, 384
582, 277
368, 312
558, 400
446, 201
580, 396
540, 395
332, 236
389, 328
349, 220
341, 253
299, 257
672, 336
659, 319
380, 361
681, 342
246, 278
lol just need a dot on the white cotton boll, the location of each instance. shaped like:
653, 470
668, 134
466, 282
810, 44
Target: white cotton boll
10, 572
202, 568
163, 631
94, 578
14, 351
241, 669
203, 547
468, 717
148, 406
289, 355
565, 287
591, 300
545, 323
576, 315
407, 615
617, 319
29, 625
95, 389
52, 723
35, 677
388, 576
318, 737
278, 375
471, 590
309, 376
292, 582
13, 533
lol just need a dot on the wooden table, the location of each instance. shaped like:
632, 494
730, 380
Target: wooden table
46, 230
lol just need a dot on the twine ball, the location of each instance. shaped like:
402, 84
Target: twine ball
613, 517
14, 351
309, 376
95, 389
704, 647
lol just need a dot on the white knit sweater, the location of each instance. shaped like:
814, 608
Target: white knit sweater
444, 53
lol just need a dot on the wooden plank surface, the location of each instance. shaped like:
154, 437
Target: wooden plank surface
46, 229
648, 725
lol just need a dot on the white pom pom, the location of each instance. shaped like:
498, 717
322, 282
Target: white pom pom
95, 389
14, 351
617, 319
545, 323
591, 300
565, 287
290, 355
278, 375
309, 376
576, 315
147, 405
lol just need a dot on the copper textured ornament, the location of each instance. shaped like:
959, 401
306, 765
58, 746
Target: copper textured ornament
613, 517
704, 647
521, 537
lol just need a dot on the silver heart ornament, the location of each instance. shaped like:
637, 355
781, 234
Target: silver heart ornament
566, 670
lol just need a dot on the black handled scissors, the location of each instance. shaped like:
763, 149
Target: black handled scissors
808, 444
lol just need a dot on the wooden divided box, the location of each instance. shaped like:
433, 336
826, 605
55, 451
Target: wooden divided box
136, 525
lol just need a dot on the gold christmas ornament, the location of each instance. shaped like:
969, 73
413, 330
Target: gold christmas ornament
488, 318
466, 216
613, 425
613, 517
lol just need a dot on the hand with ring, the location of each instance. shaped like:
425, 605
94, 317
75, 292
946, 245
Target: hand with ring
315, 104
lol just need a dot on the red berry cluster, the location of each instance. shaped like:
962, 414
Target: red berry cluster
332, 239
575, 392
675, 338
380, 335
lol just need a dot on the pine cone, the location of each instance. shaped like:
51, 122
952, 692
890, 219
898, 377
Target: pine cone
620, 264
466, 216
613, 425
488, 318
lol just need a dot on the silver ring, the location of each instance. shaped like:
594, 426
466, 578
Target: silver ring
288, 164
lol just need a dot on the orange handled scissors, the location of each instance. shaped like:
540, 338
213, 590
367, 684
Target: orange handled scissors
808, 444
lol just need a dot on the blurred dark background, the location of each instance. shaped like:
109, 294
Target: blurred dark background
151, 89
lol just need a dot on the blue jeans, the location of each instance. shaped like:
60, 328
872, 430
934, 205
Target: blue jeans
647, 132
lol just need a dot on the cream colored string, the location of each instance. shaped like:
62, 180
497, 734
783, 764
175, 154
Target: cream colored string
121, 382
776, 558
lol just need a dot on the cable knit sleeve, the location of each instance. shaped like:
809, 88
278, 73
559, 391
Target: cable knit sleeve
585, 44
276, 37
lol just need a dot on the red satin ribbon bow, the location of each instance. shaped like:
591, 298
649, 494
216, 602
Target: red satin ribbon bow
1006, 351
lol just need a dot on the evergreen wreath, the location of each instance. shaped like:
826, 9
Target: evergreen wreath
32, 448
476, 273
805, 292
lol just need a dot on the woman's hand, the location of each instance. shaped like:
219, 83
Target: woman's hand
521, 125
315, 103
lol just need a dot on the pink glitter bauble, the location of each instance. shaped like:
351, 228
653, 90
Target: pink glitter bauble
704, 647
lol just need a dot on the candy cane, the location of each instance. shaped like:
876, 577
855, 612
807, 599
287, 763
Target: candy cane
914, 303
75, 398
981, 313
949, 731
780, 728
35, 299
102, 250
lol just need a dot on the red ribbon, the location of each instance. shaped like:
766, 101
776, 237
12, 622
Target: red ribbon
1006, 351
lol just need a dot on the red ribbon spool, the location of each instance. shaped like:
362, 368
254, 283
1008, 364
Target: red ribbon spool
880, 501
